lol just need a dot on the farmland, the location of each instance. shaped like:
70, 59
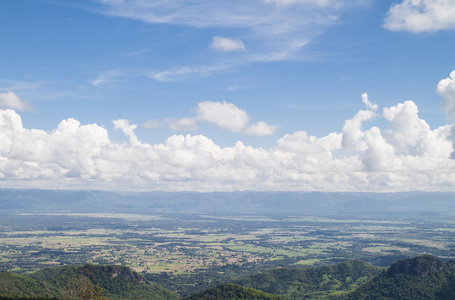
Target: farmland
197, 249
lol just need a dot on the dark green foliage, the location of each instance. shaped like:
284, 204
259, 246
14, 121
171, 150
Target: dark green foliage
300, 283
16, 297
232, 291
421, 277
115, 281
13, 284
82, 288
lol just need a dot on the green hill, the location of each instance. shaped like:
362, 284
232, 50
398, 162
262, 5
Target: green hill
116, 282
312, 282
13, 284
421, 277
231, 291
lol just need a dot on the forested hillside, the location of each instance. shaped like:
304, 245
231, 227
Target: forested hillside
113, 282
231, 291
315, 281
421, 277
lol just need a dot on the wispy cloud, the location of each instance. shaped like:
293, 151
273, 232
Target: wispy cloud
107, 77
273, 29
227, 44
172, 74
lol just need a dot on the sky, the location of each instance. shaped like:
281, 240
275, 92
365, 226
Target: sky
210, 95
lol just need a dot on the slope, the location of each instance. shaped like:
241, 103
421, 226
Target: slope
13, 284
116, 281
311, 282
231, 291
420, 277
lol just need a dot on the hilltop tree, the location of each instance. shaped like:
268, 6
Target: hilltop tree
81, 288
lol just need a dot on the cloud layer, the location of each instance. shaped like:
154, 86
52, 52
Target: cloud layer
406, 155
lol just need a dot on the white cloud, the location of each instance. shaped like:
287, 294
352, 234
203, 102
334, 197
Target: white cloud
261, 129
368, 104
82, 156
171, 74
128, 130
11, 100
406, 155
421, 16
353, 134
446, 89
223, 114
411, 135
226, 44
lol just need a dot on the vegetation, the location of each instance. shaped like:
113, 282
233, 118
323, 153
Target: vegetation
114, 282
421, 277
87, 282
312, 282
190, 242
13, 284
232, 291
81, 288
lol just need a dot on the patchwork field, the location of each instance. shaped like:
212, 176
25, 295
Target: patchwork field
186, 246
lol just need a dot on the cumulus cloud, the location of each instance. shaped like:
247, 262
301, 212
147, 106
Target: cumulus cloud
405, 155
128, 130
411, 135
223, 114
421, 16
223, 44
446, 89
229, 116
353, 134
11, 100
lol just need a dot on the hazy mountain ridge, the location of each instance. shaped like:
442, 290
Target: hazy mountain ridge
224, 202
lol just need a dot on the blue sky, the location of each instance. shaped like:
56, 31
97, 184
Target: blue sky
227, 95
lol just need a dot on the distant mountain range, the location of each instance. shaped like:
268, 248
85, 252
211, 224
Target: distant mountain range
225, 202
417, 278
